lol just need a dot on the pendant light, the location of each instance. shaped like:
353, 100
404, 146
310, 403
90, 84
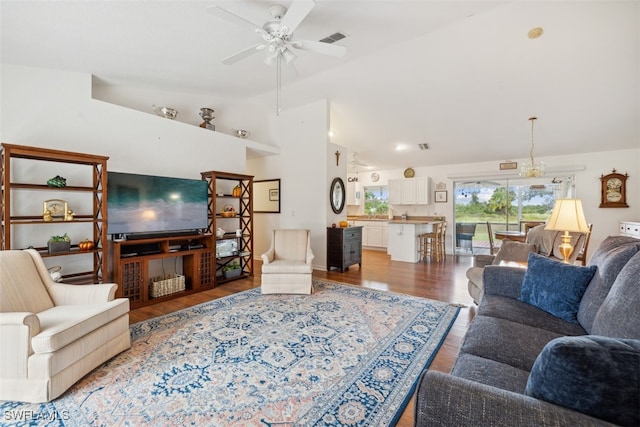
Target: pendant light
532, 169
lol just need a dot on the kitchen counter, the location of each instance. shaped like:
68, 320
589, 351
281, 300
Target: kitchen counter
397, 219
410, 221
403, 238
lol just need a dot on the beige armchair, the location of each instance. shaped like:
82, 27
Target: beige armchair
286, 266
53, 333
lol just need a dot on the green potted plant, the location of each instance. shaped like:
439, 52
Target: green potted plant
231, 270
58, 244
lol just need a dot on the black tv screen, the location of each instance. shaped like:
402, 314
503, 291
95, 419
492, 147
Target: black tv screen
155, 204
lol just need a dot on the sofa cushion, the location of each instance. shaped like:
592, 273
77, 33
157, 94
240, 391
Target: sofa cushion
595, 375
555, 287
291, 244
504, 341
64, 324
21, 287
287, 267
610, 257
619, 314
517, 311
490, 372
513, 251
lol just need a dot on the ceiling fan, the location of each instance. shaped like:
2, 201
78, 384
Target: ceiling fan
354, 163
277, 33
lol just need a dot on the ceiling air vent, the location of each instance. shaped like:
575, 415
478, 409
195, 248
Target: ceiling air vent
424, 146
333, 38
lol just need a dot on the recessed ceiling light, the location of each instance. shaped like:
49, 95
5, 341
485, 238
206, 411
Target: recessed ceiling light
331, 134
536, 32
401, 147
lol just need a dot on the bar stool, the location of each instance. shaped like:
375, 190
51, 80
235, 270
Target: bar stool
443, 240
431, 243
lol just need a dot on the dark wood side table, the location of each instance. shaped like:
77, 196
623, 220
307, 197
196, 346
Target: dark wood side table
344, 247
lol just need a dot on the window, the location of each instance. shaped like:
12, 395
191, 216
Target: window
376, 200
506, 204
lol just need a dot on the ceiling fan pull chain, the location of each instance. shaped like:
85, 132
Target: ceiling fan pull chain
278, 83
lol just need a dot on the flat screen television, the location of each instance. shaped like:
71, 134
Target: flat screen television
147, 205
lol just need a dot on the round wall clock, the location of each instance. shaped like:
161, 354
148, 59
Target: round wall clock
375, 177
409, 173
613, 190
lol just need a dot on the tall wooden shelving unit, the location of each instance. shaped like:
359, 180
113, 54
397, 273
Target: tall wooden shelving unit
96, 165
220, 194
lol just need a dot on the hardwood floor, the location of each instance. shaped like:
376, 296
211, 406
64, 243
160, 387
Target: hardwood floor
445, 281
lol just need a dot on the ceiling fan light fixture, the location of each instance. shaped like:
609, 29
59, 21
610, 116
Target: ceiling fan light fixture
288, 56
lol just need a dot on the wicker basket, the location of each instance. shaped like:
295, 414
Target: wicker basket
228, 212
167, 284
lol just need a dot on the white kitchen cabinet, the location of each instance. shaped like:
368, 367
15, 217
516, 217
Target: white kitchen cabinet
423, 191
410, 191
395, 191
374, 233
354, 193
630, 228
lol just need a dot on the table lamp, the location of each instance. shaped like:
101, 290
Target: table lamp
567, 215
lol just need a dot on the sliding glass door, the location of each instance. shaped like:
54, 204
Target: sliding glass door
511, 205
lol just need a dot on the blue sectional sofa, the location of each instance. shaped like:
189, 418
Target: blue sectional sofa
553, 345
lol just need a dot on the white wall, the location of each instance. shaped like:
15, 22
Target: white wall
54, 109
229, 113
49, 108
302, 167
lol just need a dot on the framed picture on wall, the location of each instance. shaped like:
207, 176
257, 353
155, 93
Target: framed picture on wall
441, 196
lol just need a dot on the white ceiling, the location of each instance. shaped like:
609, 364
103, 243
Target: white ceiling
461, 76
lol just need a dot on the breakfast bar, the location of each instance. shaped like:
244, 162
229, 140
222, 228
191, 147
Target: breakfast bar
403, 235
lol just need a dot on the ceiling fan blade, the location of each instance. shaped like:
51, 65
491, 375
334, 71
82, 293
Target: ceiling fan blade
296, 13
239, 56
231, 17
320, 47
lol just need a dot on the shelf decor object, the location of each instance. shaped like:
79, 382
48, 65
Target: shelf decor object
59, 244
166, 112
532, 169
207, 116
55, 209
57, 181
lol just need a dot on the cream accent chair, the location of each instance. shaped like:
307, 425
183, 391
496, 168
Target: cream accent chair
53, 333
286, 266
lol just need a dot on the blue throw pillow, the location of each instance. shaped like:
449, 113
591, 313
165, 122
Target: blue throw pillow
592, 374
554, 286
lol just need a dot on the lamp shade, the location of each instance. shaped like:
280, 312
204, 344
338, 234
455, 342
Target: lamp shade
567, 215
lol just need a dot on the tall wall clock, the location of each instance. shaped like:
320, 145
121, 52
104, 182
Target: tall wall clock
613, 190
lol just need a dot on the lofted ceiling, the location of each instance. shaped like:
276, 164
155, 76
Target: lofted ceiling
460, 76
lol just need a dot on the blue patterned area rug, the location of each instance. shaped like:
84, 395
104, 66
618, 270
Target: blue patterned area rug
345, 355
